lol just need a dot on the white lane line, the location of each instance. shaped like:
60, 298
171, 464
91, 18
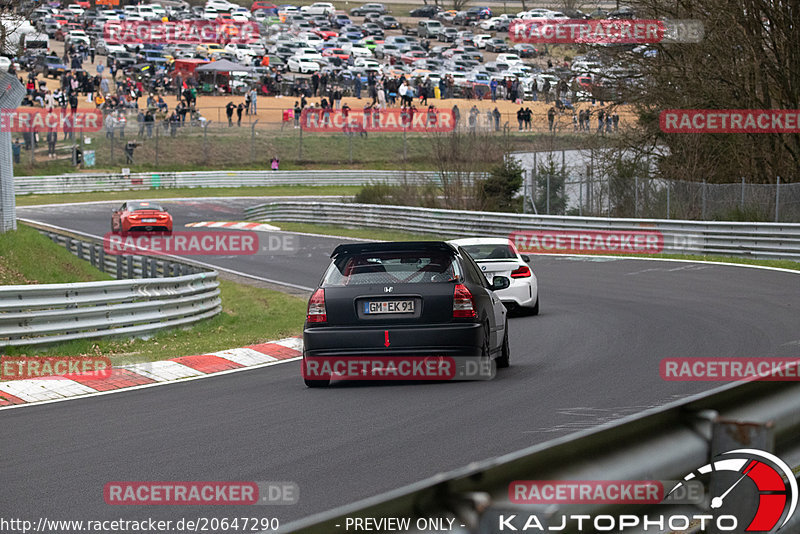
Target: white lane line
244, 356
162, 371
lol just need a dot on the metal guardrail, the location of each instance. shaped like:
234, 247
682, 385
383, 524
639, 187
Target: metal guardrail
754, 240
85, 183
661, 444
167, 294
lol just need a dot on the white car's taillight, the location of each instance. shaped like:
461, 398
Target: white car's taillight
522, 272
316, 308
463, 304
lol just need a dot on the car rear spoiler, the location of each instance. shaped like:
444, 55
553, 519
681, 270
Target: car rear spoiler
393, 246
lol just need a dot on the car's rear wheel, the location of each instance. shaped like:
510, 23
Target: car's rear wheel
505, 355
535, 309
320, 383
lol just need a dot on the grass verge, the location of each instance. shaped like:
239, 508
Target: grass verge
193, 192
250, 315
391, 235
28, 257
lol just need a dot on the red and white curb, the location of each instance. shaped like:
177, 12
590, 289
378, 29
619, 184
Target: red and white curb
254, 226
54, 388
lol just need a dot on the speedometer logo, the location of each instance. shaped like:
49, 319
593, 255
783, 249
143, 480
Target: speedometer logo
765, 475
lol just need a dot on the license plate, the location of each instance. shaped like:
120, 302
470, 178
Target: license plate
149, 220
389, 306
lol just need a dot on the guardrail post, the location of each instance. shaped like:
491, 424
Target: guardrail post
129, 267
777, 197
102, 257
153, 268
119, 268
92, 257
704, 199
78, 248
669, 186
636, 196
157, 130
741, 202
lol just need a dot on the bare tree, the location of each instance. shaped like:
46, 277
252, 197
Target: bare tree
749, 58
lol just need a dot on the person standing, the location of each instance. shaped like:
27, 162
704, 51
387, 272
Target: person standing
52, 138
493, 88
551, 116
520, 118
229, 112
297, 112
275, 163
496, 115
456, 117
239, 110
253, 101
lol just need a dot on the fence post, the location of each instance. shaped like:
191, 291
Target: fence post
777, 197
253, 141
119, 268
704, 199
741, 202
129, 267
205, 142
580, 195
669, 186
157, 129
636, 196
548, 193
300, 144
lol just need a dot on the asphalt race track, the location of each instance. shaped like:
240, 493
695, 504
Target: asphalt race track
590, 357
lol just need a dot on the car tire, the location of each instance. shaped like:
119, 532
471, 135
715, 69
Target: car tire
535, 309
505, 355
313, 383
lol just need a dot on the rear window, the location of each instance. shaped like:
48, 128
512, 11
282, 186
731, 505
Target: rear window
391, 268
490, 252
144, 206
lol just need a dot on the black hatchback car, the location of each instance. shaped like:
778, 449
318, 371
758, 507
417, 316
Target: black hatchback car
423, 299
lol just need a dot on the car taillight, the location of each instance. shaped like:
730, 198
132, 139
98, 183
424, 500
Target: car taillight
463, 305
522, 272
316, 308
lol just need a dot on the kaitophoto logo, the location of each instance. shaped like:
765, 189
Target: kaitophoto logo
767, 478
587, 241
756, 476
28, 119
605, 31
377, 120
175, 32
730, 121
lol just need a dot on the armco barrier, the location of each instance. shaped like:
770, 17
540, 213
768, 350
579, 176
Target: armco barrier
84, 183
754, 240
660, 444
168, 294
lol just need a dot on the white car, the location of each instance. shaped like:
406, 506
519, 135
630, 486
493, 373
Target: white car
257, 48
78, 36
240, 51
302, 64
359, 51
366, 63
5, 63
319, 8
75, 9
499, 257
480, 40
511, 59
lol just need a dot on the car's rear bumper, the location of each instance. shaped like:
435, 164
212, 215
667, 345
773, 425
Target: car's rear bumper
522, 292
459, 339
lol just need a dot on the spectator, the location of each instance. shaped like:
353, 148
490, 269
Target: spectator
528, 118
254, 101
456, 117
496, 115
239, 110
297, 112
52, 138
551, 116
148, 122
493, 88
229, 113
520, 118
275, 163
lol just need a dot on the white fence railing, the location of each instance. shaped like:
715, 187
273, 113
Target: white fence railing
158, 293
755, 240
84, 183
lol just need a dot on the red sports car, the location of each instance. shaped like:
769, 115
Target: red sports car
141, 216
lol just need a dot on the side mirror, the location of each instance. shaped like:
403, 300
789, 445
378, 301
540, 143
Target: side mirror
500, 282
525, 258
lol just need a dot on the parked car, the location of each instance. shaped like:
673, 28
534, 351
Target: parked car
425, 11
497, 45
388, 22
369, 8
429, 28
